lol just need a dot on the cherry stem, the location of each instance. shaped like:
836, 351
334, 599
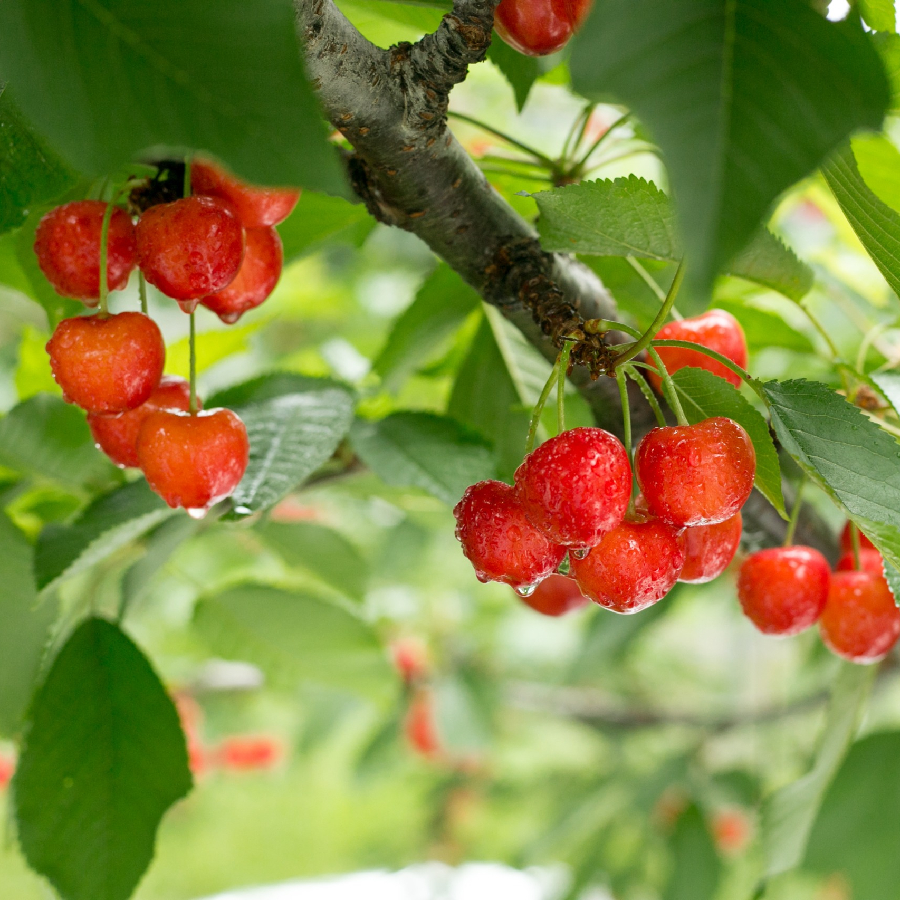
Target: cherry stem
644, 341
795, 515
193, 364
142, 291
539, 408
646, 390
534, 154
562, 364
626, 410
712, 354
576, 132
668, 387
854, 543
592, 149
601, 326
104, 254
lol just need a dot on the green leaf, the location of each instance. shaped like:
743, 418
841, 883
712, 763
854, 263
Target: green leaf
863, 801
211, 347
434, 453
321, 551
744, 97
879, 15
46, 437
317, 219
110, 523
519, 70
631, 217
697, 867
295, 637
875, 223
888, 46
878, 161
763, 328
290, 437
104, 758
704, 395
26, 626
889, 385
270, 386
845, 453
33, 373
30, 172
788, 815
110, 79
439, 309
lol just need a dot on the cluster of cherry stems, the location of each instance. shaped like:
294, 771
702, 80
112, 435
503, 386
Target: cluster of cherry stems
568, 530
218, 247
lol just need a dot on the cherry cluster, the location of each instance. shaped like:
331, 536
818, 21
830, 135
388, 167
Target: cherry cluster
217, 247
785, 590
572, 498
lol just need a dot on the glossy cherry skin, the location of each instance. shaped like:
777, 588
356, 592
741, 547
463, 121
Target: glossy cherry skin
717, 330
869, 561
539, 27
632, 567
709, 549
846, 541
107, 364
783, 590
255, 280
117, 436
861, 621
190, 248
498, 539
256, 207
193, 461
556, 595
576, 486
696, 474
67, 245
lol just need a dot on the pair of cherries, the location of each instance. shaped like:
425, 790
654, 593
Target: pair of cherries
572, 495
785, 590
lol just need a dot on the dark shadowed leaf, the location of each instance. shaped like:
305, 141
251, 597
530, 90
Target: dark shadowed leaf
696, 866
318, 219
104, 758
519, 70
106, 80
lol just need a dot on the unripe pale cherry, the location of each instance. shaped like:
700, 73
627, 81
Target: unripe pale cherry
190, 248
632, 567
556, 595
539, 27
193, 461
255, 280
107, 364
67, 245
117, 436
783, 590
696, 474
717, 330
498, 539
256, 207
709, 549
576, 486
861, 622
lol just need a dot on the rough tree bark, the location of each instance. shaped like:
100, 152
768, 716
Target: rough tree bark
411, 172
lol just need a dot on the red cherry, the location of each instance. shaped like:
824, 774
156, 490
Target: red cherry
67, 244
731, 830
708, 549
7, 770
245, 753
717, 330
556, 595
632, 567
861, 621
107, 364
539, 27
190, 248
869, 561
420, 726
256, 207
846, 541
576, 486
498, 539
193, 461
783, 589
696, 474
410, 659
117, 436
255, 280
